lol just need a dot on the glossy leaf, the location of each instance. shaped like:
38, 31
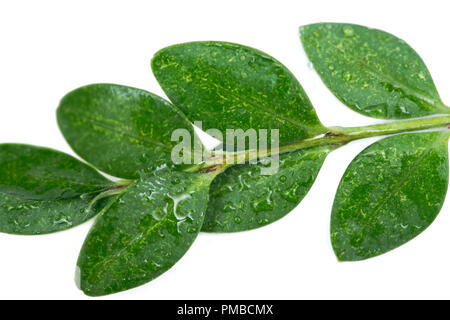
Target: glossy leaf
229, 86
371, 71
144, 232
43, 190
120, 130
390, 193
243, 199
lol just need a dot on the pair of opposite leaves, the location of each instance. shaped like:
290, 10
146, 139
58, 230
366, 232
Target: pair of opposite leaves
390, 192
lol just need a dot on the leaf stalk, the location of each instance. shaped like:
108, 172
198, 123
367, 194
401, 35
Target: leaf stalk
337, 136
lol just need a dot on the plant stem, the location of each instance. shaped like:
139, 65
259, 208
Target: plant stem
395, 127
337, 136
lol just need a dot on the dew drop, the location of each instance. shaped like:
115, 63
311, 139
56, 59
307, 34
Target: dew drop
176, 207
347, 76
85, 196
263, 203
229, 207
62, 220
348, 31
144, 158
237, 219
160, 212
283, 178
179, 224
191, 230
189, 216
291, 193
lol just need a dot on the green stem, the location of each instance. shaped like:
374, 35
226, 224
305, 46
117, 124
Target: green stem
337, 136
395, 127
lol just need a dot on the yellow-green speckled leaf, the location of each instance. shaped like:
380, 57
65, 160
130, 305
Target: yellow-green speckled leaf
241, 198
390, 193
230, 86
118, 129
44, 190
371, 71
144, 232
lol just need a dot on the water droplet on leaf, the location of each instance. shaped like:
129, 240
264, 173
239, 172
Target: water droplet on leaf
348, 31
263, 203
347, 76
191, 230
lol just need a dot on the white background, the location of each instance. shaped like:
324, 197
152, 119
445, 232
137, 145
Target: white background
48, 48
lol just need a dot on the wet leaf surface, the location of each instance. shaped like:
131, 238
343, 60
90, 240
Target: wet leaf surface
371, 71
144, 232
242, 198
230, 86
120, 130
390, 193
43, 190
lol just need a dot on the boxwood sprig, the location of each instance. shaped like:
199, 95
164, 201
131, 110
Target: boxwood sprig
390, 193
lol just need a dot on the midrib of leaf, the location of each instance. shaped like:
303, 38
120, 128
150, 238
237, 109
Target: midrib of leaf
138, 236
130, 243
388, 195
77, 183
260, 107
415, 92
39, 200
99, 186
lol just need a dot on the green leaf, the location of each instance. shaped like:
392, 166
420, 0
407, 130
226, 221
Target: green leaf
43, 190
242, 198
371, 71
229, 86
120, 130
390, 193
144, 232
